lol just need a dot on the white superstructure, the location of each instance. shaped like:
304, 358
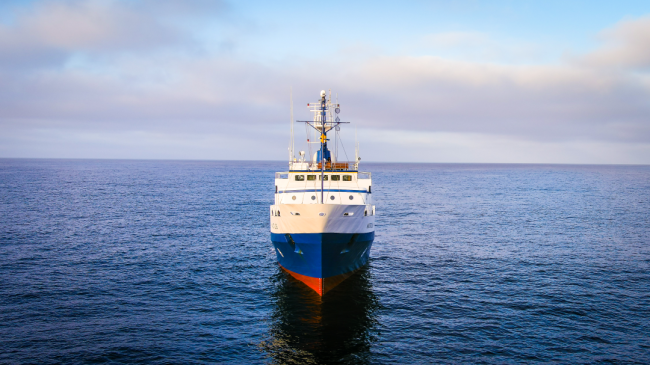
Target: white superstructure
347, 205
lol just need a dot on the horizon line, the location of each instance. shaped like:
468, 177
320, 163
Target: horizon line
283, 161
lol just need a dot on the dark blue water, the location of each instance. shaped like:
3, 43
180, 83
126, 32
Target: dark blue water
170, 262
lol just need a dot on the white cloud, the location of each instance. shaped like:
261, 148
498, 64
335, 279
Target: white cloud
443, 106
627, 45
410, 146
539, 102
48, 33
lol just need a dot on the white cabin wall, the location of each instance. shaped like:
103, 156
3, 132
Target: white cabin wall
342, 198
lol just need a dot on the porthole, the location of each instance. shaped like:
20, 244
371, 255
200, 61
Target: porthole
351, 197
313, 197
321, 214
332, 197
293, 197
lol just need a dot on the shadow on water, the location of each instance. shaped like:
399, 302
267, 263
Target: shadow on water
308, 329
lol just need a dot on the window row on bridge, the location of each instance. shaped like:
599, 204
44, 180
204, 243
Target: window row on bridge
325, 177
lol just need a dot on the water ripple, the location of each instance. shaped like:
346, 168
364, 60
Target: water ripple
170, 262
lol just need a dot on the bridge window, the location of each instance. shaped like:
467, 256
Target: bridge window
347, 177
311, 177
300, 177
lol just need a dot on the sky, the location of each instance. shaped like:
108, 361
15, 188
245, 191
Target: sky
463, 81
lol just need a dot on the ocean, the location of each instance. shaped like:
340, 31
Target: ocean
124, 261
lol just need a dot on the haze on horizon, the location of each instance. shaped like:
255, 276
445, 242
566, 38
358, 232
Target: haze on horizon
421, 81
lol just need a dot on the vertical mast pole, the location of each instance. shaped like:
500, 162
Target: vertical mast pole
356, 149
336, 128
322, 149
291, 144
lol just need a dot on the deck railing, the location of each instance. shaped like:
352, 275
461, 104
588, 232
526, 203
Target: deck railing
329, 166
360, 175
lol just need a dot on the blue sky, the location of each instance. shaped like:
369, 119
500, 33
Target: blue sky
422, 81
552, 28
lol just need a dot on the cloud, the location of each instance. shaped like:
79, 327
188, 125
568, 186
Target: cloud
538, 102
423, 146
48, 33
627, 45
110, 72
416, 93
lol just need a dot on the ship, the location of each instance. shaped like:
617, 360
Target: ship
323, 220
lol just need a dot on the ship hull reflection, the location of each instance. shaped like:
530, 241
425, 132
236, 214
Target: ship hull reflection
309, 329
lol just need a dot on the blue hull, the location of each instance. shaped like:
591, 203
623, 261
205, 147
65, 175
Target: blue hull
322, 255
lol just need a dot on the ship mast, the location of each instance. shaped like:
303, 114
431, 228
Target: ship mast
291, 143
320, 124
323, 136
